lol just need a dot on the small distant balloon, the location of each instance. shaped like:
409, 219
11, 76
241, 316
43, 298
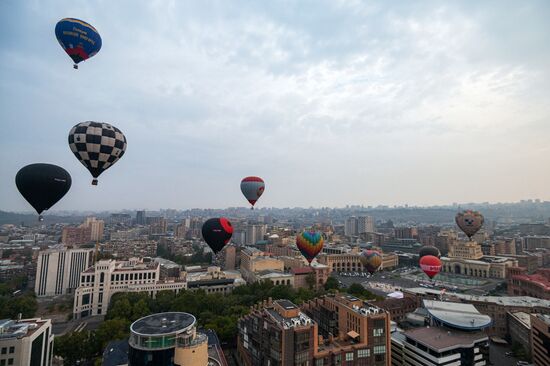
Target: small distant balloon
371, 260
431, 265
217, 232
97, 145
310, 243
42, 185
79, 39
469, 222
429, 250
252, 189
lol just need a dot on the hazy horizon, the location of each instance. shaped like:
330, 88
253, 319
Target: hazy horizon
330, 102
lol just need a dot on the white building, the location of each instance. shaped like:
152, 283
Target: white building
107, 277
255, 233
27, 342
350, 227
58, 270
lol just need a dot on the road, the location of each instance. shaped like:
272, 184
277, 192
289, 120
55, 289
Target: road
90, 323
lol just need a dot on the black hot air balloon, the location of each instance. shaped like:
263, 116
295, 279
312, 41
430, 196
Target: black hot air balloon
428, 250
216, 233
42, 185
97, 145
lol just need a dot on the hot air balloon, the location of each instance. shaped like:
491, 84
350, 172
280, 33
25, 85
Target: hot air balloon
42, 185
79, 39
428, 250
371, 260
310, 244
216, 233
431, 265
97, 145
469, 222
252, 188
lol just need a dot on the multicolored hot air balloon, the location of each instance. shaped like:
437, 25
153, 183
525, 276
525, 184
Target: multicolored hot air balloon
431, 265
252, 188
310, 244
79, 39
371, 260
42, 185
469, 222
97, 145
428, 250
216, 233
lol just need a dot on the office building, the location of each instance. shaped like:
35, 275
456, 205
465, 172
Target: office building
540, 339
107, 277
365, 224
120, 218
405, 233
535, 285
141, 218
58, 270
74, 236
496, 307
126, 249
96, 228
167, 339
519, 329
351, 261
535, 242
350, 226
229, 254
27, 342
255, 233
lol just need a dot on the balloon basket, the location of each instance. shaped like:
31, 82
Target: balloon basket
40, 218
75, 66
94, 182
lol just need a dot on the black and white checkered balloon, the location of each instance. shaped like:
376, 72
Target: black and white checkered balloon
97, 145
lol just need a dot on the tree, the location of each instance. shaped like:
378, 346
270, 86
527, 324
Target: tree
310, 280
331, 284
140, 309
111, 330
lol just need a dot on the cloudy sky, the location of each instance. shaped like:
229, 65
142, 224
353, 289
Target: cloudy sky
332, 103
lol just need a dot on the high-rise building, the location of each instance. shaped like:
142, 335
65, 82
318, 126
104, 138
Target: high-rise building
73, 236
534, 242
157, 225
405, 232
96, 228
58, 270
255, 233
141, 217
365, 224
230, 254
350, 226
540, 339
27, 342
331, 330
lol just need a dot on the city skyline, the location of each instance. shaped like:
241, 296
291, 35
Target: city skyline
332, 105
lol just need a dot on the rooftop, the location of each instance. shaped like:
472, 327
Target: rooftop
441, 339
19, 329
525, 301
457, 315
523, 317
163, 323
538, 279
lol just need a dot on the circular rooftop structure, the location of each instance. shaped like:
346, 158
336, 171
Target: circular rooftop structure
161, 331
457, 315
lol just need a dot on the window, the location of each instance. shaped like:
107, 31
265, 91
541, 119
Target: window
4, 350
363, 353
12, 349
377, 332
378, 350
319, 362
2, 362
10, 361
349, 356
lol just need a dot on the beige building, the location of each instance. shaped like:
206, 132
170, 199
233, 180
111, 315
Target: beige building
254, 260
540, 339
96, 228
107, 277
351, 262
27, 342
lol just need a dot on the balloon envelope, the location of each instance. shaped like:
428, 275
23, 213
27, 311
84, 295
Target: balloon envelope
97, 145
310, 243
429, 250
252, 188
469, 222
217, 232
371, 260
430, 265
42, 185
79, 39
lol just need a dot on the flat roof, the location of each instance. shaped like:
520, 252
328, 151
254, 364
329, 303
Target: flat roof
523, 317
286, 304
163, 323
441, 339
457, 315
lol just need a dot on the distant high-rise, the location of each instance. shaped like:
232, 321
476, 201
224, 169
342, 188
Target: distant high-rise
96, 228
255, 233
58, 270
72, 236
350, 227
365, 224
140, 217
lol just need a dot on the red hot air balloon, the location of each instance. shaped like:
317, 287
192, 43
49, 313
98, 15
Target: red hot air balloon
431, 265
252, 188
